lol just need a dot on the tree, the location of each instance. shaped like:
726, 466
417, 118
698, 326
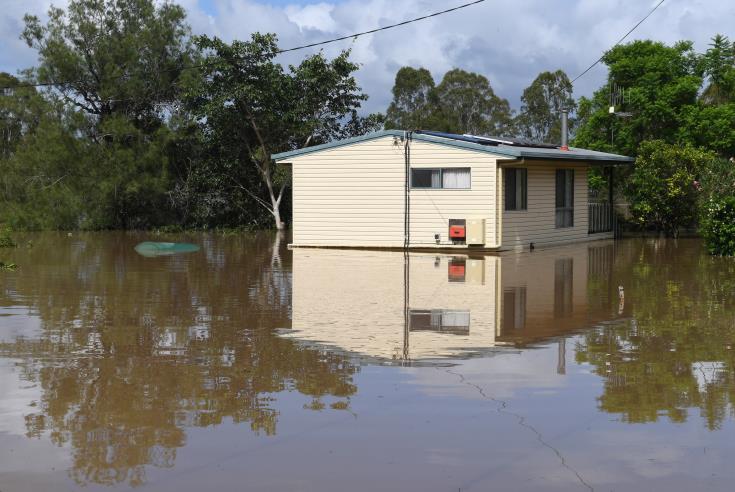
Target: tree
468, 104
120, 65
710, 127
44, 184
662, 188
114, 56
21, 109
250, 107
543, 100
660, 83
719, 66
464, 102
413, 106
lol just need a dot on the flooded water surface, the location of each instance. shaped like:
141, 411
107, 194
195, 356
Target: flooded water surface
232, 363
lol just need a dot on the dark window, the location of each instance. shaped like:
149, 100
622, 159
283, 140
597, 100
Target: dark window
516, 189
564, 198
451, 178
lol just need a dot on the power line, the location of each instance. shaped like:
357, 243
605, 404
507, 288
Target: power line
620, 40
287, 50
372, 31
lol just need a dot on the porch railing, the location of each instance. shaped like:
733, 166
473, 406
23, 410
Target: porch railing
600, 217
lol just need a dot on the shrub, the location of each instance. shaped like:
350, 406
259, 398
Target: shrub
717, 225
717, 207
662, 190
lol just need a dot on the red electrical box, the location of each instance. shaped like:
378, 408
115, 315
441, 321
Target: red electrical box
457, 232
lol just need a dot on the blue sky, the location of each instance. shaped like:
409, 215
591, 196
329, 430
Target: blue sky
508, 42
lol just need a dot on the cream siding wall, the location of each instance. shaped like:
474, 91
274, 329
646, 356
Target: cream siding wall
537, 224
354, 195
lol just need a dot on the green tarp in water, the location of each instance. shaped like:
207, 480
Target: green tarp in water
150, 249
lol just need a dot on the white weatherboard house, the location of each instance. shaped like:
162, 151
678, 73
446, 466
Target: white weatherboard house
396, 189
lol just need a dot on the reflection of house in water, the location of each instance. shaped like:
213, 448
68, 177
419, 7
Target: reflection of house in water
378, 305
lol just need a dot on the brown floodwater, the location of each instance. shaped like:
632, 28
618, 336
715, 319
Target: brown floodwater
245, 366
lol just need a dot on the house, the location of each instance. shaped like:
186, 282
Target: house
388, 306
421, 189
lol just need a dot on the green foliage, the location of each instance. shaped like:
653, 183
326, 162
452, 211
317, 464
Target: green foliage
660, 83
20, 111
710, 127
662, 190
718, 225
99, 152
539, 119
464, 102
43, 180
114, 56
719, 66
8, 266
595, 180
717, 207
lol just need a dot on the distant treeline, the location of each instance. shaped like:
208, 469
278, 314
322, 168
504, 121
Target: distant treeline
130, 121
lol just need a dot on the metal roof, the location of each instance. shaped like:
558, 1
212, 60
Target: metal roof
504, 147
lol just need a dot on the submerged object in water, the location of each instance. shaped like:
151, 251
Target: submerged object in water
150, 249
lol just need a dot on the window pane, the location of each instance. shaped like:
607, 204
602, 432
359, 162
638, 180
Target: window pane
456, 178
425, 178
516, 189
564, 198
522, 189
570, 188
510, 189
560, 188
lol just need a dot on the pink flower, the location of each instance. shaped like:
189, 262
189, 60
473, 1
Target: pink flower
696, 184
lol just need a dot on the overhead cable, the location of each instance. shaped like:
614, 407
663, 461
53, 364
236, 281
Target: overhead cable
287, 50
620, 40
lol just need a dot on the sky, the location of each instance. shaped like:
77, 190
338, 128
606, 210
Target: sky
508, 42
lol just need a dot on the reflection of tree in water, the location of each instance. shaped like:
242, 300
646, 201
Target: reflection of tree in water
676, 350
135, 350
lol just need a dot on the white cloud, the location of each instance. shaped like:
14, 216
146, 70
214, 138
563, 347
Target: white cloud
509, 42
